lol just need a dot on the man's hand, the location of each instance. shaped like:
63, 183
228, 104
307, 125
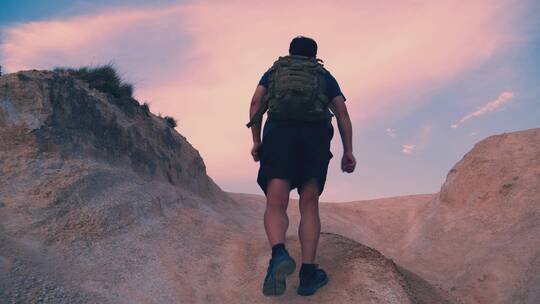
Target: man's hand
339, 108
348, 162
255, 151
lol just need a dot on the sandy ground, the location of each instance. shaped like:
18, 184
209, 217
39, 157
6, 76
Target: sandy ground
478, 239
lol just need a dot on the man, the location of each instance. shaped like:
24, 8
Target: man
297, 91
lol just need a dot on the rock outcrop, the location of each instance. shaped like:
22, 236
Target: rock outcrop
480, 237
103, 202
60, 115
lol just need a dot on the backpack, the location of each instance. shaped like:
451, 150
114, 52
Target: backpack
296, 91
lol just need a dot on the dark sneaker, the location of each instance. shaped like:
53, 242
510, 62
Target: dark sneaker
279, 268
310, 283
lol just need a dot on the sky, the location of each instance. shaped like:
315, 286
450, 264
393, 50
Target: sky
424, 80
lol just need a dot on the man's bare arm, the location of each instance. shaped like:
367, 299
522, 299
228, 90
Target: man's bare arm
254, 106
256, 101
339, 109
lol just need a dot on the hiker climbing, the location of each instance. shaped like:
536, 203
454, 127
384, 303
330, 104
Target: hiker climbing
300, 97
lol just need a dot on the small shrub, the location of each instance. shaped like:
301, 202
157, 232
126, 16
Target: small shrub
145, 107
103, 78
22, 77
171, 122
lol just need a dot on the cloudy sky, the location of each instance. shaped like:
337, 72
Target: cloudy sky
424, 80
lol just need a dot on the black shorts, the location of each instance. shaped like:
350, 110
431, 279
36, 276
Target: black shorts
295, 150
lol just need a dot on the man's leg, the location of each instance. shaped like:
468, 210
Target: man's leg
310, 224
276, 223
276, 220
311, 276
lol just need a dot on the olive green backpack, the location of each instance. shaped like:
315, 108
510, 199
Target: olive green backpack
296, 91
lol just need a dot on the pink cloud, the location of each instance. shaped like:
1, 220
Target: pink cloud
407, 148
390, 132
499, 102
420, 141
200, 62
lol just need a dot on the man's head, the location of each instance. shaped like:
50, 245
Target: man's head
304, 46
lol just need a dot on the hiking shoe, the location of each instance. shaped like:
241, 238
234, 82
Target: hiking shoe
279, 268
309, 283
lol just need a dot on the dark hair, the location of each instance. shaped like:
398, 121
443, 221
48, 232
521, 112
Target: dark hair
304, 46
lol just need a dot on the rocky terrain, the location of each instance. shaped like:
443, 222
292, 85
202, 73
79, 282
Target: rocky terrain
478, 238
101, 201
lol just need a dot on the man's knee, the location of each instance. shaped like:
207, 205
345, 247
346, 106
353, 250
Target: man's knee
277, 202
308, 204
309, 188
278, 192
309, 194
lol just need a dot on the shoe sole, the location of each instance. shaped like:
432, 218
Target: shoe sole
277, 286
310, 291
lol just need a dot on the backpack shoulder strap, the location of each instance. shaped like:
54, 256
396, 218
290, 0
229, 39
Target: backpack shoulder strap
260, 112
